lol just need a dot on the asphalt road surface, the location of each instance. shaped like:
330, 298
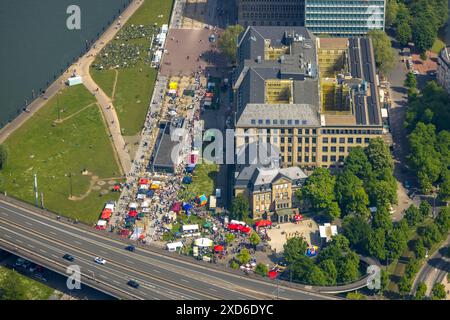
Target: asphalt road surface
160, 276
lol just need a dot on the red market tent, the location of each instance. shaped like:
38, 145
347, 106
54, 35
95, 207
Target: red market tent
232, 226
272, 274
176, 207
116, 187
144, 181
106, 214
298, 217
246, 229
132, 213
124, 233
218, 248
209, 95
263, 223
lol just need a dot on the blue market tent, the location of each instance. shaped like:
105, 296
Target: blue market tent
150, 193
190, 168
187, 207
187, 180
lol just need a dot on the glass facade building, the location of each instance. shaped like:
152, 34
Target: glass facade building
343, 18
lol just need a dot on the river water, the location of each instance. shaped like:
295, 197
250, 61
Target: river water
36, 45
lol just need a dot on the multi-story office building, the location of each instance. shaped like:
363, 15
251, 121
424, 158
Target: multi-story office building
344, 17
443, 71
331, 17
312, 99
271, 12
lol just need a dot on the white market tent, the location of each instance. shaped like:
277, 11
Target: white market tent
133, 205
73, 81
101, 223
145, 204
110, 206
190, 227
327, 231
203, 242
174, 246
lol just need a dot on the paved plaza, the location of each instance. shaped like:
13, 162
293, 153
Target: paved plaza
307, 228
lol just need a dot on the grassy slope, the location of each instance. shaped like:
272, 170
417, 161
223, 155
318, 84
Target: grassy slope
134, 88
104, 79
36, 290
78, 143
203, 181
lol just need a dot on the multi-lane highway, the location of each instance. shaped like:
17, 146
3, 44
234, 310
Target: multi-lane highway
39, 236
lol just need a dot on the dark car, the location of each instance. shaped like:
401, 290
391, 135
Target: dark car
68, 257
130, 248
133, 284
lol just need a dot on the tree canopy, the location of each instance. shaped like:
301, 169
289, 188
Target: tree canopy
384, 54
228, 41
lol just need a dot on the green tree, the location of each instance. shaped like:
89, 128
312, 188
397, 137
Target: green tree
358, 163
254, 239
403, 32
423, 33
229, 41
391, 12
411, 81
419, 249
3, 156
350, 194
234, 264
424, 209
431, 235
300, 269
412, 215
438, 292
377, 243
443, 221
229, 238
13, 288
329, 269
316, 276
396, 242
243, 256
357, 230
379, 155
421, 291
294, 249
404, 286
319, 190
262, 269
384, 54
239, 207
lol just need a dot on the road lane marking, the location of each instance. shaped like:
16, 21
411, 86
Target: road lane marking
31, 246
43, 251
28, 223
214, 290
157, 271
102, 276
4, 213
116, 282
53, 233
55, 256
19, 241
130, 262
77, 242
7, 236
184, 280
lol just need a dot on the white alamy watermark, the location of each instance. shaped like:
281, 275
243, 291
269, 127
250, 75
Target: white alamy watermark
374, 279
215, 146
73, 22
376, 17
74, 278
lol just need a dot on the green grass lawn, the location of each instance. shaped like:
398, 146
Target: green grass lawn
35, 290
104, 79
203, 181
52, 151
438, 46
135, 85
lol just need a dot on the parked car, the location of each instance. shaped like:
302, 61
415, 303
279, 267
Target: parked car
68, 257
130, 248
133, 284
99, 260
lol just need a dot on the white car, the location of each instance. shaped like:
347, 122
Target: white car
99, 260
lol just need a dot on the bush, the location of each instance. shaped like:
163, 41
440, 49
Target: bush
438, 292
234, 264
261, 269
